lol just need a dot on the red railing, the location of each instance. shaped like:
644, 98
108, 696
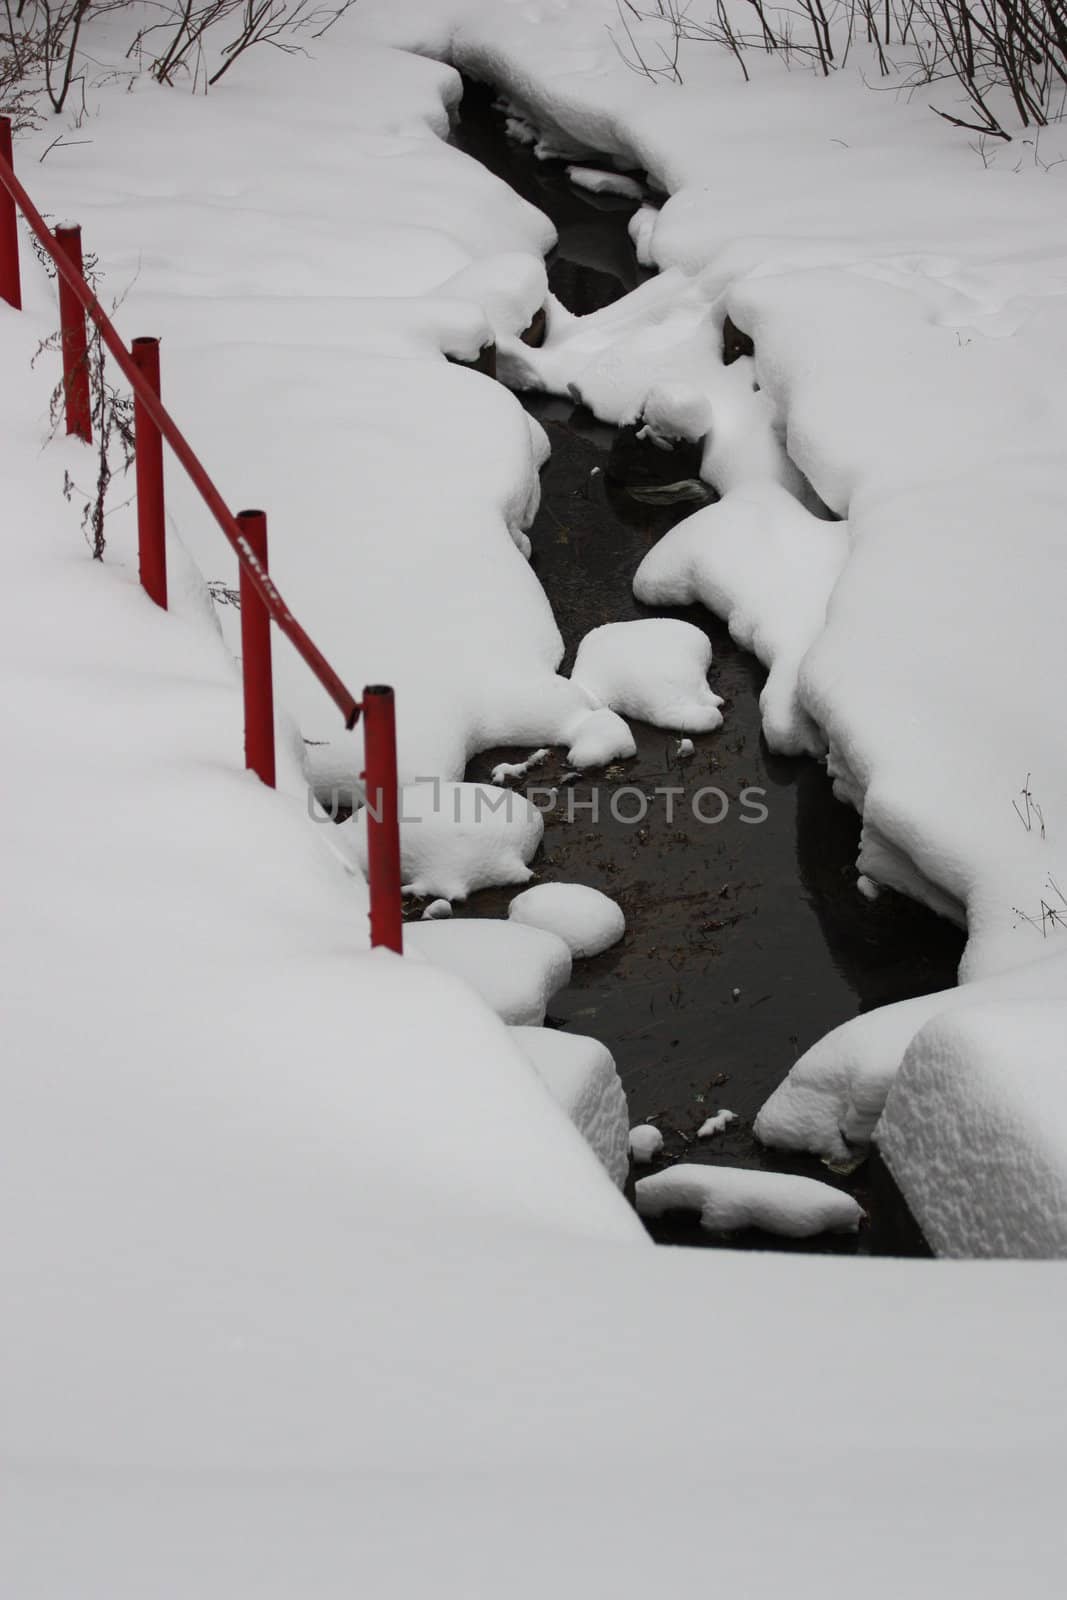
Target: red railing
261, 602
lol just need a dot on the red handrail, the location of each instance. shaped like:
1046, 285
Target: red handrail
263, 584
260, 594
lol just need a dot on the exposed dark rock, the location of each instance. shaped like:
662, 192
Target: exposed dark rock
735, 343
535, 334
485, 361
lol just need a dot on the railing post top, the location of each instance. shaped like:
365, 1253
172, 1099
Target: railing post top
68, 230
143, 341
248, 515
379, 689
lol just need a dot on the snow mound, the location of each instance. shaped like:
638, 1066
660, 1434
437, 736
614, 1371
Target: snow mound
600, 737
458, 837
580, 1074
655, 669
737, 1197
763, 562
587, 921
516, 970
646, 1142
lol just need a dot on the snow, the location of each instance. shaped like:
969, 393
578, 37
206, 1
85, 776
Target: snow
976, 1126
718, 1123
600, 738
655, 669
515, 770
516, 970
580, 1074
685, 749
436, 910
599, 182
738, 1197
305, 1255
646, 1142
459, 837
588, 921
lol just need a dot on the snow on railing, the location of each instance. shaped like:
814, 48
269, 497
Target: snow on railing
261, 603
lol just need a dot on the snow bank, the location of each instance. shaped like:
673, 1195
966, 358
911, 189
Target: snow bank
738, 1197
587, 921
516, 970
767, 565
304, 336
655, 669
580, 1074
459, 837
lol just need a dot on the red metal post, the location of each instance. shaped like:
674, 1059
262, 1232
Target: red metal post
255, 652
383, 818
148, 446
75, 343
10, 283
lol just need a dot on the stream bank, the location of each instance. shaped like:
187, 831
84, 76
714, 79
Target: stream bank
746, 941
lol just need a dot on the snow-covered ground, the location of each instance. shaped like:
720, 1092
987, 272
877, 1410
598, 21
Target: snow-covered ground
302, 1257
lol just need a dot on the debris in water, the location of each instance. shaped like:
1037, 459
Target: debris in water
716, 1124
670, 494
518, 769
685, 748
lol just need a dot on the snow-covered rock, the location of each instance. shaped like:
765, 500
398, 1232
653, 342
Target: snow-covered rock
599, 182
516, 970
655, 669
646, 1142
587, 921
740, 1197
580, 1073
458, 837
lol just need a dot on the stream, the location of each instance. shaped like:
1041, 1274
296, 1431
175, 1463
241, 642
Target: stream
745, 942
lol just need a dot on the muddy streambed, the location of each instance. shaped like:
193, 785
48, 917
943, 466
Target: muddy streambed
746, 940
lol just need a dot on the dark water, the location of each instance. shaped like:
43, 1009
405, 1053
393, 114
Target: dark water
746, 941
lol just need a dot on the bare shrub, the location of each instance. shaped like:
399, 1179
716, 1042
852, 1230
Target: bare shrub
1009, 56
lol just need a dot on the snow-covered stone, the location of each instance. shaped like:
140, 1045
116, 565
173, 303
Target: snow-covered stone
741, 1197
646, 1142
655, 669
587, 921
458, 837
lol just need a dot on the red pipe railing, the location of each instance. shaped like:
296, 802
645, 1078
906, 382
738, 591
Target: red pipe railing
261, 602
